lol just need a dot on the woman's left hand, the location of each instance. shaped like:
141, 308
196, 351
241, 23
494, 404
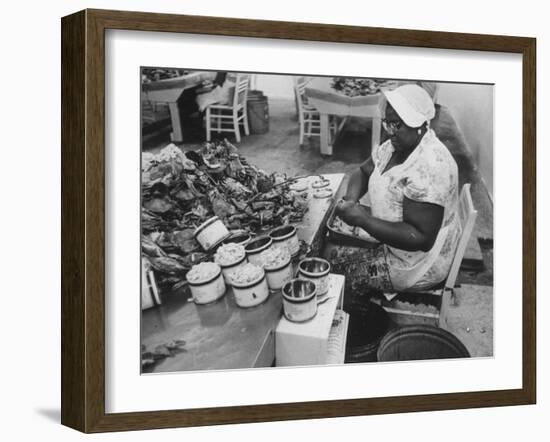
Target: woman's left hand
343, 205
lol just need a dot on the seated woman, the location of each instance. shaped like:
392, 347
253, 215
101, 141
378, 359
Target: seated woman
193, 101
412, 183
217, 91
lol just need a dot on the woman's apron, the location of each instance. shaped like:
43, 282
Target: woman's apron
403, 275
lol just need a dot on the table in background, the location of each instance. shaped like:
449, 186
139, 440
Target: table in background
222, 335
330, 102
169, 91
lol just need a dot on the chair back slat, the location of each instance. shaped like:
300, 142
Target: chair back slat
467, 217
300, 84
241, 90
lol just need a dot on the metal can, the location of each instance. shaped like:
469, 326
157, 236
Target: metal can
211, 233
286, 236
257, 246
316, 270
299, 300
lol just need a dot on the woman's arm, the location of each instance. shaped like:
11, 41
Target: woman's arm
418, 230
359, 181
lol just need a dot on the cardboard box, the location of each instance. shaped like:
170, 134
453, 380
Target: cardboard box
308, 343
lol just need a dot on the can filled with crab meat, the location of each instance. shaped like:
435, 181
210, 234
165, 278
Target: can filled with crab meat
277, 266
249, 285
257, 246
206, 282
230, 257
211, 233
286, 236
316, 270
239, 237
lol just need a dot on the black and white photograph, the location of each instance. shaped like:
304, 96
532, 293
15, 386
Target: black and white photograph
303, 220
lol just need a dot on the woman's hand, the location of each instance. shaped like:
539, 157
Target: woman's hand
343, 205
352, 213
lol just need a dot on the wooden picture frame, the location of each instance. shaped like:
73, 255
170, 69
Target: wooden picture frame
83, 219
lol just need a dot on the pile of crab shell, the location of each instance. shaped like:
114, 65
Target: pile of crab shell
180, 190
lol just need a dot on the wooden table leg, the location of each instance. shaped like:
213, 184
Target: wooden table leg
326, 147
339, 127
177, 133
376, 128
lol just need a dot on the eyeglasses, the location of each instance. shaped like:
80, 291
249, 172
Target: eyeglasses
391, 127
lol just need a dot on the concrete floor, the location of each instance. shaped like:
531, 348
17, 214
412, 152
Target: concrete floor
471, 318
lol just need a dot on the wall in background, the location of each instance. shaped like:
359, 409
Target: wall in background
274, 86
472, 107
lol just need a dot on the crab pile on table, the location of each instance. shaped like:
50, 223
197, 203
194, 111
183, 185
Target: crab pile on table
149, 75
354, 87
181, 190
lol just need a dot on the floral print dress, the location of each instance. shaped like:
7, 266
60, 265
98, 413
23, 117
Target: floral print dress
428, 175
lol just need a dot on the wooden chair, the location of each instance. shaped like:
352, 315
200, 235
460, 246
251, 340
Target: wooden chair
444, 291
308, 117
229, 117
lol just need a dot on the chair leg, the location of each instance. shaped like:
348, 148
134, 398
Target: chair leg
301, 123
208, 124
332, 124
236, 127
445, 303
245, 120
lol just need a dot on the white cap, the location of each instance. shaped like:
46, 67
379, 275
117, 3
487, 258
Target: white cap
412, 103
